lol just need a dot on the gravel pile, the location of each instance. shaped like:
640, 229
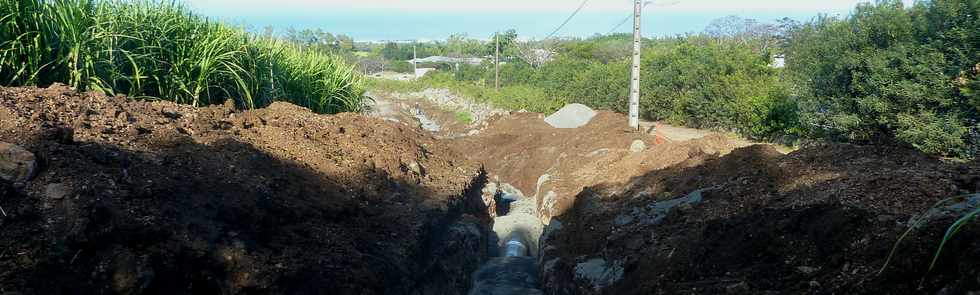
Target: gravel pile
449, 100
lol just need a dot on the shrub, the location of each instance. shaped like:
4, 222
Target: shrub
705, 83
890, 74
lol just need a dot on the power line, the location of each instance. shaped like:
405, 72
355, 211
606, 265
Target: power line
628, 17
580, 6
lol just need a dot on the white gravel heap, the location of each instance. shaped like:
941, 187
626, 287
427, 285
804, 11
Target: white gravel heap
571, 116
447, 99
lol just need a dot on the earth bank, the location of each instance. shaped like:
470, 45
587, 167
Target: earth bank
158, 198
155, 198
821, 220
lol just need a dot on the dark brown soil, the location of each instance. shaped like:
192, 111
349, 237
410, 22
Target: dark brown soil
520, 148
159, 198
817, 221
167, 199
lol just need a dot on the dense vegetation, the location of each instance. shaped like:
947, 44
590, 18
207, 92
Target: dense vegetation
890, 74
160, 50
887, 74
696, 81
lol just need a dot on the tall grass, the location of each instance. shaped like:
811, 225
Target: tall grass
161, 50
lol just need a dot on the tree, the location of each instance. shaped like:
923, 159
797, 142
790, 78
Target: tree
533, 53
892, 75
744, 31
506, 39
345, 42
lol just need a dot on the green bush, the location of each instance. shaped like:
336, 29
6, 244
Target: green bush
891, 74
705, 83
162, 50
403, 67
693, 81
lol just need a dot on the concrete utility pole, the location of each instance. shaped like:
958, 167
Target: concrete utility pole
635, 82
415, 60
496, 61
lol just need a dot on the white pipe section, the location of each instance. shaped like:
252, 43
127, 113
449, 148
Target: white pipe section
515, 249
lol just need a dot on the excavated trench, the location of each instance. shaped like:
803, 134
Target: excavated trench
112, 196
513, 269
511, 261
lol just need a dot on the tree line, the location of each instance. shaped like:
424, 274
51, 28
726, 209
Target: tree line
887, 73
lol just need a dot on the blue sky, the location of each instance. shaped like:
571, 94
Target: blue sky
437, 19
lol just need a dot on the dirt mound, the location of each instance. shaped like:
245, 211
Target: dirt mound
817, 221
159, 198
554, 165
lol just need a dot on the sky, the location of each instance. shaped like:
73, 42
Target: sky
367, 20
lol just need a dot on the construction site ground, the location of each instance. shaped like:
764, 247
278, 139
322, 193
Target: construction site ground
135, 197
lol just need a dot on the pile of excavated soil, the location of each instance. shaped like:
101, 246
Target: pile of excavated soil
553, 165
821, 220
159, 198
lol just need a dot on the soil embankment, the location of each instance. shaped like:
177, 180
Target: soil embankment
553, 165
158, 198
703, 214
821, 220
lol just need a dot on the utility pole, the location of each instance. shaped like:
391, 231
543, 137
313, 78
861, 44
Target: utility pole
415, 60
459, 53
496, 61
635, 82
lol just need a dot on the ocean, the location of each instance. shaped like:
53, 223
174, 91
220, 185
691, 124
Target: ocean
377, 26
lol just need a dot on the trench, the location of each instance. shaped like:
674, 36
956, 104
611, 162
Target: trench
513, 268
513, 265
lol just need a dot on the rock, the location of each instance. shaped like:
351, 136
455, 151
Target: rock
509, 189
417, 168
56, 191
598, 273
17, 165
571, 116
623, 219
638, 146
707, 150
807, 270
62, 135
635, 243
739, 288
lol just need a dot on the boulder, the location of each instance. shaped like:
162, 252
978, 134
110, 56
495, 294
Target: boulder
17, 165
638, 146
56, 191
571, 116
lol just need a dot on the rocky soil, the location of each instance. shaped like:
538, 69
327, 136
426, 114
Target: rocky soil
553, 165
103, 195
157, 198
821, 220
455, 115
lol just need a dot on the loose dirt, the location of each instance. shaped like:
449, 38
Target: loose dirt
818, 221
553, 165
159, 198
697, 212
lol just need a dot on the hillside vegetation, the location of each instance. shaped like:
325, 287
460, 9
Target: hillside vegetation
161, 50
890, 74
886, 74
